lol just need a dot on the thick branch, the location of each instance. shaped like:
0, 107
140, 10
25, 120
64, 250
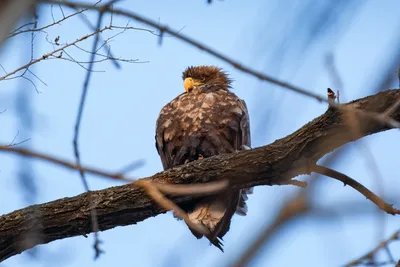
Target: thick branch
129, 204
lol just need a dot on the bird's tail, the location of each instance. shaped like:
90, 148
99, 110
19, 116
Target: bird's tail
214, 214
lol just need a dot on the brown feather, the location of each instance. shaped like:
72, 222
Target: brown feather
209, 120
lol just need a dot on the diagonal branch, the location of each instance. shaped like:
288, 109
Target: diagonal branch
346, 180
368, 257
95, 224
46, 56
165, 29
293, 209
129, 204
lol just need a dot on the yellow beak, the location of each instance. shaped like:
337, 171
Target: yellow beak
188, 84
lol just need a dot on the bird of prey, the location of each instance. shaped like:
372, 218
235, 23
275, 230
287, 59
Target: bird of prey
206, 120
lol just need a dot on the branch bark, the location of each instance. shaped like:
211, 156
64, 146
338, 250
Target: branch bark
129, 204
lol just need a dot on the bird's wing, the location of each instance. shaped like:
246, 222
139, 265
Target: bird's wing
236, 201
166, 129
241, 208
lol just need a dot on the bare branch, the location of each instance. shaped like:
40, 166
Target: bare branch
45, 56
346, 180
165, 29
368, 257
152, 189
63, 163
129, 204
11, 12
93, 214
20, 31
292, 209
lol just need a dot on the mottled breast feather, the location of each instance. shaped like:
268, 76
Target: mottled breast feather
206, 121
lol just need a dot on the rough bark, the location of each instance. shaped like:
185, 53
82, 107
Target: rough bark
125, 205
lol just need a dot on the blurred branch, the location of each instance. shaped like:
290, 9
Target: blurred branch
368, 258
130, 204
75, 144
200, 189
63, 163
165, 29
296, 209
154, 192
10, 12
292, 209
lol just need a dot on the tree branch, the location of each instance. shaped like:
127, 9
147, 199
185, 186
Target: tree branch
46, 56
368, 258
107, 8
129, 204
346, 180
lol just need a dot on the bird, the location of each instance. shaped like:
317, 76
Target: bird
207, 119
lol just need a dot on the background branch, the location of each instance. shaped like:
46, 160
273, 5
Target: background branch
368, 257
165, 29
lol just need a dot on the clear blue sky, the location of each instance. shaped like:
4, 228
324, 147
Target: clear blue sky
123, 105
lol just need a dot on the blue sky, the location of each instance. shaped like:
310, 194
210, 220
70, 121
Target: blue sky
122, 107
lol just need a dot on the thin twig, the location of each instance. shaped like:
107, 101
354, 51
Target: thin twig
131, 166
392, 123
388, 112
19, 31
189, 40
368, 257
292, 209
156, 195
45, 56
294, 182
67, 164
357, 186
95, 224
173, 189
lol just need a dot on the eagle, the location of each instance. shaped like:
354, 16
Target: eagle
206, 120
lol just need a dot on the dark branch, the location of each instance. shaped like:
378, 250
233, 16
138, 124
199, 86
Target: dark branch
93, 214
130, 204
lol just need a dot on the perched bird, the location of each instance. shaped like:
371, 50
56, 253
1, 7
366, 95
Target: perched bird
206, 120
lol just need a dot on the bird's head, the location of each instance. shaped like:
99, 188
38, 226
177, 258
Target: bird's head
205, 75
